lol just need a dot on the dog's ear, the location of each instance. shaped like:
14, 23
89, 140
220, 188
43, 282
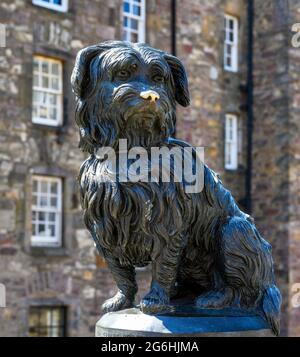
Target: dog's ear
81, 75
181, 87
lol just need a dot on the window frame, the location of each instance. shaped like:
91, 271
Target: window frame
48, 5
42, 241
232, 43
231, 149
62, 328
141, 31
58, 92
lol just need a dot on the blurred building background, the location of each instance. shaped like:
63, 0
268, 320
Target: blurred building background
54, 279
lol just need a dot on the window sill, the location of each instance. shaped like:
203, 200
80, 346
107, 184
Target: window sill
59, 129
48, 251
56, 9
239, 170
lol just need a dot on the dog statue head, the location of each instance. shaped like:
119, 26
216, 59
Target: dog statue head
126, 91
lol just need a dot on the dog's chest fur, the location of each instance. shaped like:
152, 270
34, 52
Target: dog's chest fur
133, 220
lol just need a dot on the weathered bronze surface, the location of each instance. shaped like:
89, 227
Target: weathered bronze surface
199, 244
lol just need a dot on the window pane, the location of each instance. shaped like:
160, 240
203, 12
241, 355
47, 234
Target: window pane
56, 317
53, 187
43, 201
55, 68
53, 113
126, 7
228, 62
41, 230
44, 186
55, 83
45, 82
41, 216
52, 98
51, 229
53, 202
45, 67
51, 217
136, 10
43, 112
125, 21
134, 24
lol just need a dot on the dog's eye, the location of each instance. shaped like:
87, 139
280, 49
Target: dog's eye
123, 74
158, 79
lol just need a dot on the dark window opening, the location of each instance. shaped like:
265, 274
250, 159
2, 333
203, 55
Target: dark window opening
47, 321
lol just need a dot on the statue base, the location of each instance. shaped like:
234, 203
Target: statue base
199, 323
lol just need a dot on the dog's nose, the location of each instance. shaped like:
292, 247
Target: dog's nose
150, 95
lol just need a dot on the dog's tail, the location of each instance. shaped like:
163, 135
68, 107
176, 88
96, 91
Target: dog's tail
271, 302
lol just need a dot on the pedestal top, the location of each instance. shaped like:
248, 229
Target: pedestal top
227, 322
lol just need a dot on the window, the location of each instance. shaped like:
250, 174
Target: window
47, 321
46, 211
47, 91
134, 20
58, 5
231, 142
231, 44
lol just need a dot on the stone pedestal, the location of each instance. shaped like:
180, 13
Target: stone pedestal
202, 323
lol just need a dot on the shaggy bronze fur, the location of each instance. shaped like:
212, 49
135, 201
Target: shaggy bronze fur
200, 242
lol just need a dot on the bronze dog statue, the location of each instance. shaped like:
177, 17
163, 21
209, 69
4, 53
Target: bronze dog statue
197, 241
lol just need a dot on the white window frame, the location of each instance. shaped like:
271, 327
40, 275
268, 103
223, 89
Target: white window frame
231, 142
57, 92
140, 19
231, 43
50, 5
48, 241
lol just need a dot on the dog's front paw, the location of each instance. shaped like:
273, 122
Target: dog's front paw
156, 301
118, 302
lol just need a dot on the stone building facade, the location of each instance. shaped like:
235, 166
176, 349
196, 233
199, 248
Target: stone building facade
72, 276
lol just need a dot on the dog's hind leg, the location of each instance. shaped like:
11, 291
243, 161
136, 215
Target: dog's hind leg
125, 279
245, 270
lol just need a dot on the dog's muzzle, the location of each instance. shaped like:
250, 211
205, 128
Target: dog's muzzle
150, 95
